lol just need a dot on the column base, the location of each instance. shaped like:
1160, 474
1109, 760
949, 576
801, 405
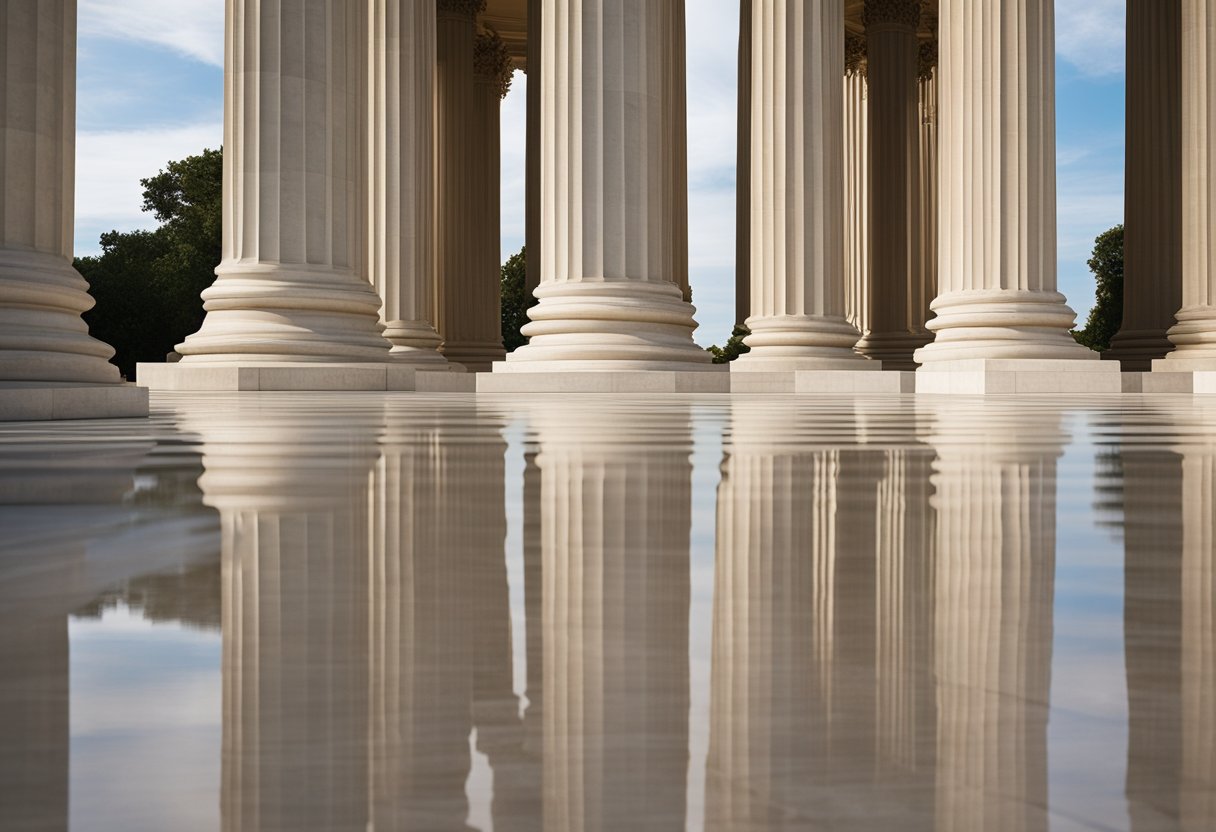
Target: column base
476, 358
893, 349
981, 376
233, 378
1136, 351
34, 402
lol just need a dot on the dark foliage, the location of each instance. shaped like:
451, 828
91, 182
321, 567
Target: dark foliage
1107, 315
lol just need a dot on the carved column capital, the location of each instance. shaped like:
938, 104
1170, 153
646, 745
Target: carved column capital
854, 54
492, 61
469, 8
893, 12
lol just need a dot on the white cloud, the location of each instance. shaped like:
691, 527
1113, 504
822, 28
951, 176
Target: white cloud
189, 27
1090, 35
110, 164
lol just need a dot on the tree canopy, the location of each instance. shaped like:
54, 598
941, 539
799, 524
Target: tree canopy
734, 347
1107, 315
516, 300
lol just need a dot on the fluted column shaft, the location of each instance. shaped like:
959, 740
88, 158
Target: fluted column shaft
1194, 335
533, 189
856, 188
797, 189
997, 296
1152, 233
893, 53
608, 298
925, 222
291, 285
42, 337
400, 157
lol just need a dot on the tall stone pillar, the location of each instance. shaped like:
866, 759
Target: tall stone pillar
50, 368
856, 186
997, 296
608, 299
893, 99
675, 149
743, 169
472, 306
400, 156
291, 287
533, 163
1152, 233
925, 223
797, 190
615, 517
1194, 335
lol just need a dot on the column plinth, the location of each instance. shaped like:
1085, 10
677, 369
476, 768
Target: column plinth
50, 367
290, 287
608, 299
998, 297
797, 191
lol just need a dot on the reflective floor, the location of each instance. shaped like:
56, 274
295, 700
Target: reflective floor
359, 612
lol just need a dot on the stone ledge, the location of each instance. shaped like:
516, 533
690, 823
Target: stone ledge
823, 381
275, 377
640, 381
1013, 376
454, 382
101, 401
1198, 382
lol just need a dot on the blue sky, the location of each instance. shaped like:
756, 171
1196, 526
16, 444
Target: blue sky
151, 90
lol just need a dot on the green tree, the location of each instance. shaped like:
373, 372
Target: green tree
516, 300
1107, 315
734, 347
147, 283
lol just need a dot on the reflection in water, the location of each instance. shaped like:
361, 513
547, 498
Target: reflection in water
883, 599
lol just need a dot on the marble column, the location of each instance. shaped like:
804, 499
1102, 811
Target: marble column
615, 517
1152, 232
400, 156
1194, 335
925, 224
856, 186
290, 287
797, 190
45, 347
743, 169
472, 306
893, 103
675, 149
533, 188
608, 299
997, 295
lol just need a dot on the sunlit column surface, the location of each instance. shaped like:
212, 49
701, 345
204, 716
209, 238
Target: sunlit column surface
615, 512
533, 188
856, 186
608, 297
995, 497
997, 293
1152, 236
797, 190
1194, 335
893, 102
925, 221
291, 286
400, 163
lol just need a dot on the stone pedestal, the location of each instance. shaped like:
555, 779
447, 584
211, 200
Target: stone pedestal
797, 191
608, 302
50, 368
997, 295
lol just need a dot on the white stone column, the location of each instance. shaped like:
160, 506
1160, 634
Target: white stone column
291, 286
49, 365
534, 188
608, 300
400, 156
1194, 335
472, 307
856, 186
797, 190
893, 102
997, 295
1152, 235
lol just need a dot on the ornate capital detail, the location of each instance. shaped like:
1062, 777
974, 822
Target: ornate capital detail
492, 60
854, 54
469, 8
897, 12
928, 16
928, 59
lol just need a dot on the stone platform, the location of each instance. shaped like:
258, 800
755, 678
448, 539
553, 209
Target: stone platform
181, 377
831, 382
72, 401
1024, 375
639, 381
1198, 382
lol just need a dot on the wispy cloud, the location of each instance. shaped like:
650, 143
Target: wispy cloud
189, 27
1090, 35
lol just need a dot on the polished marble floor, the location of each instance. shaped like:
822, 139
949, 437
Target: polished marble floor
360, 612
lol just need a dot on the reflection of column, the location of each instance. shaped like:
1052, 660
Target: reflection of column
293, 501
615, 514
856, 186
607, 298
401, 174
892, 58
797, 190
289, 287
43, 341
995, 564
1152, 235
